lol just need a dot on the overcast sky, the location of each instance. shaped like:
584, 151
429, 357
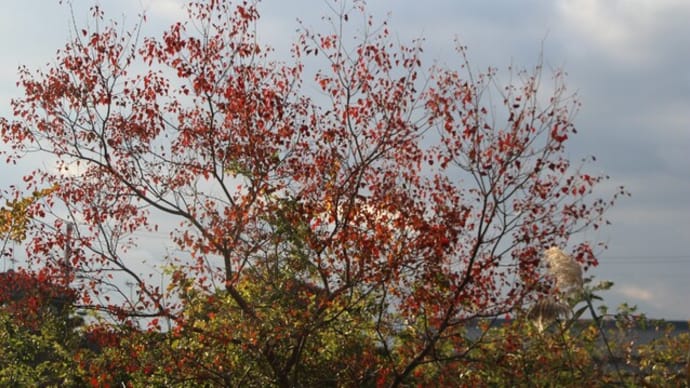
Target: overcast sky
629, 60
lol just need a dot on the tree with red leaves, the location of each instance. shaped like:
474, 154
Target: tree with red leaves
368, 223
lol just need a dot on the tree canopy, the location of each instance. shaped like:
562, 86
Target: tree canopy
345, 237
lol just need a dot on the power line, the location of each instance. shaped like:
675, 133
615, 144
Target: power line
625, 257
644, 259
621, 262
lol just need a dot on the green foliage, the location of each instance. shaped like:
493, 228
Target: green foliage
577, 352
325, 340
209, 346
43, 356
665, 361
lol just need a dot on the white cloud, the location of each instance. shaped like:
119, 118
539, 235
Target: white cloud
635, 293
165, 9
627, 31
656, 298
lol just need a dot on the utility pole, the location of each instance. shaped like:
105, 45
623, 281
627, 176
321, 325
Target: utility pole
68, 253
